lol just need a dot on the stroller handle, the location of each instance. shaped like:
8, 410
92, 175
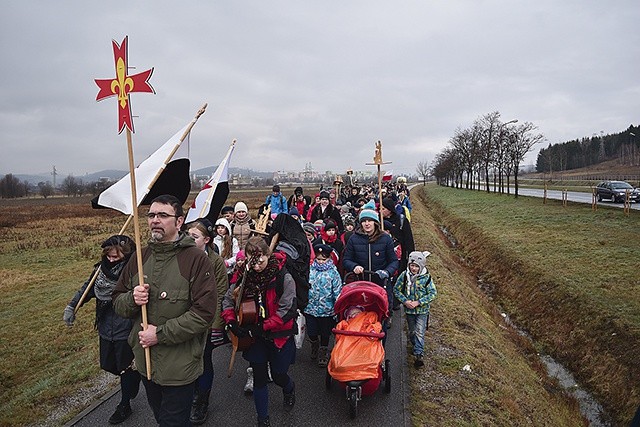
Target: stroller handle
351, 273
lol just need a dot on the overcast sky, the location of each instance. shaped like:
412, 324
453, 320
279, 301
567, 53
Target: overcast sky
315, 82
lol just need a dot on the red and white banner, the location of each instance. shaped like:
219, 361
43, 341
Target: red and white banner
387, 176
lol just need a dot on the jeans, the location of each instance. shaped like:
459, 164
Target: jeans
417, 325
171, 405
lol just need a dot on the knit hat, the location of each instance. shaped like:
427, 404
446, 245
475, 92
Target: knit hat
309, 228
321, 248
419, 258
241, 207
389, 203
240, 255
297, 191
324, 194
294, 211
208, 226
226, 209
344, 209
349, 220
388, 225
369, 212
329, 225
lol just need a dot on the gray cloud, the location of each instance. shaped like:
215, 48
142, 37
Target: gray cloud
299, 82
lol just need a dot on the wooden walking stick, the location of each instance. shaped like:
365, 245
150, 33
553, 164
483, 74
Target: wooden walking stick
95, 273
377, 160
121, 87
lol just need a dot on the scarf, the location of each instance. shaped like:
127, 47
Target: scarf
107, 278
257, 281
322, 267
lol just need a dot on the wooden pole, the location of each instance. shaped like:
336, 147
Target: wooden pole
95, 273
136, 229
380, 198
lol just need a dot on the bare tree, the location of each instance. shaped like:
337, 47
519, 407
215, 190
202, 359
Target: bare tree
524, 139
423, 171
71, 186
46, 189
489, 123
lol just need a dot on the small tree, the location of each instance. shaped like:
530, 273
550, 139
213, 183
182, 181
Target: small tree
71, 186
46, 189
423, 171
11, 187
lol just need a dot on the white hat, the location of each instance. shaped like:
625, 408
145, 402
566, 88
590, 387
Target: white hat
419, 258
240, 206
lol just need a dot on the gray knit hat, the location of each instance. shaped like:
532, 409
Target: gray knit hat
419, 258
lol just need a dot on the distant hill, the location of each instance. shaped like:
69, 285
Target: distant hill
114, 175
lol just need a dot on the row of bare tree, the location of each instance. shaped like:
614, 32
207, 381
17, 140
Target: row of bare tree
488, 150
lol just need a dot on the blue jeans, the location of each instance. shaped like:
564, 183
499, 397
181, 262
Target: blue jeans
417, 325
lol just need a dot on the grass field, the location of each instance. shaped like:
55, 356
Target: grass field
569, 276
550, 268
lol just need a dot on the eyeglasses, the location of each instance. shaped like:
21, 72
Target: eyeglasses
161, 215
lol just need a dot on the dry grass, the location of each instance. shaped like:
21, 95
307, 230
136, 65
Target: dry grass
567, 275
506, 384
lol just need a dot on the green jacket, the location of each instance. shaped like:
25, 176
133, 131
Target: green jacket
421, 289
222, 284
182, 304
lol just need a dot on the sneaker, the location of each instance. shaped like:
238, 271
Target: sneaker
121, 413
264, 423
418, 363
289, 399
248, 387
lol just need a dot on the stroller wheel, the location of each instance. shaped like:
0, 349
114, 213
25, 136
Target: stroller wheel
327, 380
387, 380
353, 404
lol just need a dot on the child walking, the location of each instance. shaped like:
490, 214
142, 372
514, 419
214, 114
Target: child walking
415, 290
325, 287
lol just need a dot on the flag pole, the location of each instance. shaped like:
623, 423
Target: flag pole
182, 138
95, 273
207, 203
136, 230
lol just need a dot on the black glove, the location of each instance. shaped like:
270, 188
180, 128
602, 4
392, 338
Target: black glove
255, 330
237, 330
69, 315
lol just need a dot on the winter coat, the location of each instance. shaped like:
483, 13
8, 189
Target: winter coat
222, 285
241, 230
326, 285
372, 256
182, 305
415, 287
277, 203
331, 212
279, 305
401, 232
110, 326
229, 262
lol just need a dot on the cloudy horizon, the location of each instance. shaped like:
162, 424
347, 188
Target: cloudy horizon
310, 82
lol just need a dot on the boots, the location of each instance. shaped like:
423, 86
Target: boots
314, 349
323, 356
200, 407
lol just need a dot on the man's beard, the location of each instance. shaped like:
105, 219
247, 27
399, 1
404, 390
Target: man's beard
157, 235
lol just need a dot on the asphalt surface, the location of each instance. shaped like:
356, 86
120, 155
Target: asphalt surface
572, 196
315, 405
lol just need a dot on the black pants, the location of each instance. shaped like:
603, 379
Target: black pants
171, 405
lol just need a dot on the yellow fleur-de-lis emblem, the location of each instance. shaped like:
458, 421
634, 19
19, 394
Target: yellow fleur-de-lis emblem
123, 84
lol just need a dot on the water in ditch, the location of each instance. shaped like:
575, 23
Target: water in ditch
589, 407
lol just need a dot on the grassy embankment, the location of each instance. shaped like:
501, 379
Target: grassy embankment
568, 276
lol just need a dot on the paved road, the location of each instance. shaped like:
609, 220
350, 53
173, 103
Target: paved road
315, 406
572, 196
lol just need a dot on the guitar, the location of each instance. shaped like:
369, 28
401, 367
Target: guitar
246, 314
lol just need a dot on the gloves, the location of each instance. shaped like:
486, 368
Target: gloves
69, 316
383, 274
255, 330
237, 330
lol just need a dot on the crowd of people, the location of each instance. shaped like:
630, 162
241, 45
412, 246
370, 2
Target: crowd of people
198, 277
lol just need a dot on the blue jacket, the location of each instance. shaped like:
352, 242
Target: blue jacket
278, 204
418, 287
326, 285
372, 256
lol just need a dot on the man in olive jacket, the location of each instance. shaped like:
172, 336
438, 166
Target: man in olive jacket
181, 299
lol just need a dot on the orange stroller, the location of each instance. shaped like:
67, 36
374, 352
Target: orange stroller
357, 360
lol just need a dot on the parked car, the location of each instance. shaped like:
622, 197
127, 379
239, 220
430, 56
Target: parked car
616, 191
